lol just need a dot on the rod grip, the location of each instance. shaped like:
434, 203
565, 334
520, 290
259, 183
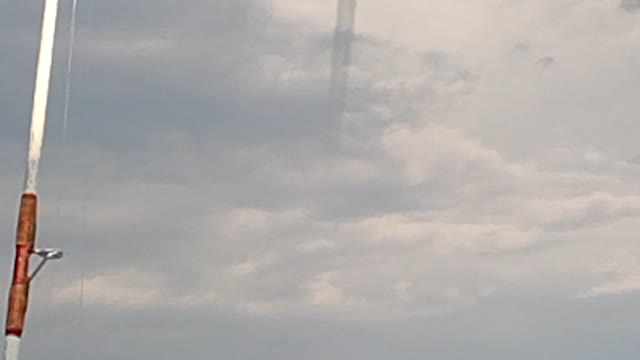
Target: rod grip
25, 243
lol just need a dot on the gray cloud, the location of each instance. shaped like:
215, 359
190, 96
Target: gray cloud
630, 5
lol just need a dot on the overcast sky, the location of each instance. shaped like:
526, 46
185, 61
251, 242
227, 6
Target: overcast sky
484, 202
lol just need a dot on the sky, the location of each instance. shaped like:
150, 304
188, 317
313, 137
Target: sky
482, 201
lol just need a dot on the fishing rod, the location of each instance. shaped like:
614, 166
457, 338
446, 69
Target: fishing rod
28, 213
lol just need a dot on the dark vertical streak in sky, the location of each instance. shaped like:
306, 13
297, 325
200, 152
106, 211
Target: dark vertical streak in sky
341, 58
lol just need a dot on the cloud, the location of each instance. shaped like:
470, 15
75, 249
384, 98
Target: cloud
127, 288
469, 181
618, 287
630, 5
446, 198
323, 292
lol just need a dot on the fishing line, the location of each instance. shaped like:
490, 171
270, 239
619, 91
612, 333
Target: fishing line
63, 150
83, 351
67, 91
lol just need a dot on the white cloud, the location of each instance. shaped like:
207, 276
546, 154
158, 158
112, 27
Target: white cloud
123, 288
323, 292
616, 287
314, 246
403, 291
249, 267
